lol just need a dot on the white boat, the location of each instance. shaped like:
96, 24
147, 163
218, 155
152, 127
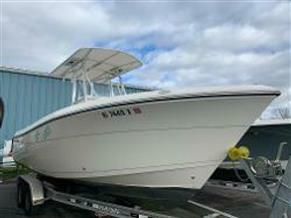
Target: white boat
173, 138
266, 138
5, 155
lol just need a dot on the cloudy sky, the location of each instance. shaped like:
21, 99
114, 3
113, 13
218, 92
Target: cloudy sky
182, 44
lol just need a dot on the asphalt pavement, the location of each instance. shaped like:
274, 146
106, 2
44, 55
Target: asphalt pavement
8, 208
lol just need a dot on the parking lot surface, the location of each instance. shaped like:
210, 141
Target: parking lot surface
237, 203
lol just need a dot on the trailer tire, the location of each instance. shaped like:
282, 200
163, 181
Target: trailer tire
29, 208
20, 194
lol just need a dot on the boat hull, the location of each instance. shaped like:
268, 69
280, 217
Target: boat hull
168, 143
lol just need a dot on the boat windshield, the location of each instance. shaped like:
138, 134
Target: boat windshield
85, 90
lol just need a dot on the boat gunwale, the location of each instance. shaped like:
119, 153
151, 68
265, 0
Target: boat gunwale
142, 101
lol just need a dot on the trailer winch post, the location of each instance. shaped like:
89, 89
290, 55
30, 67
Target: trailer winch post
279, 200
258, 182
281, 205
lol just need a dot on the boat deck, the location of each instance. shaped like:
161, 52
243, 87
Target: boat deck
237, 203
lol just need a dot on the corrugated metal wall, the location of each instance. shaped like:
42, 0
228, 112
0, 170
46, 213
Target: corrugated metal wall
28, 97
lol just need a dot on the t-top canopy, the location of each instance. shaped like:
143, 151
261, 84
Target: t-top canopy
96, 64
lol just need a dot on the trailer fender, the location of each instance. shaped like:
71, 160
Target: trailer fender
35, 187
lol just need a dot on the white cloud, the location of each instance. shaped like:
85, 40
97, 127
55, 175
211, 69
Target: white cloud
236, 37
181, 44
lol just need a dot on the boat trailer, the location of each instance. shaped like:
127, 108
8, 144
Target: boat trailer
32, 192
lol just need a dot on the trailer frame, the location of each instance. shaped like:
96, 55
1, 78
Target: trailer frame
33, 192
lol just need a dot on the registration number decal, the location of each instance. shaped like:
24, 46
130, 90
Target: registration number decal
121, 112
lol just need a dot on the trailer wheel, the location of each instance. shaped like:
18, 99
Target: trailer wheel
20, 194
29, 209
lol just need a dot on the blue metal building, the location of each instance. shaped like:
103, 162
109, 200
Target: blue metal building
30, 95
